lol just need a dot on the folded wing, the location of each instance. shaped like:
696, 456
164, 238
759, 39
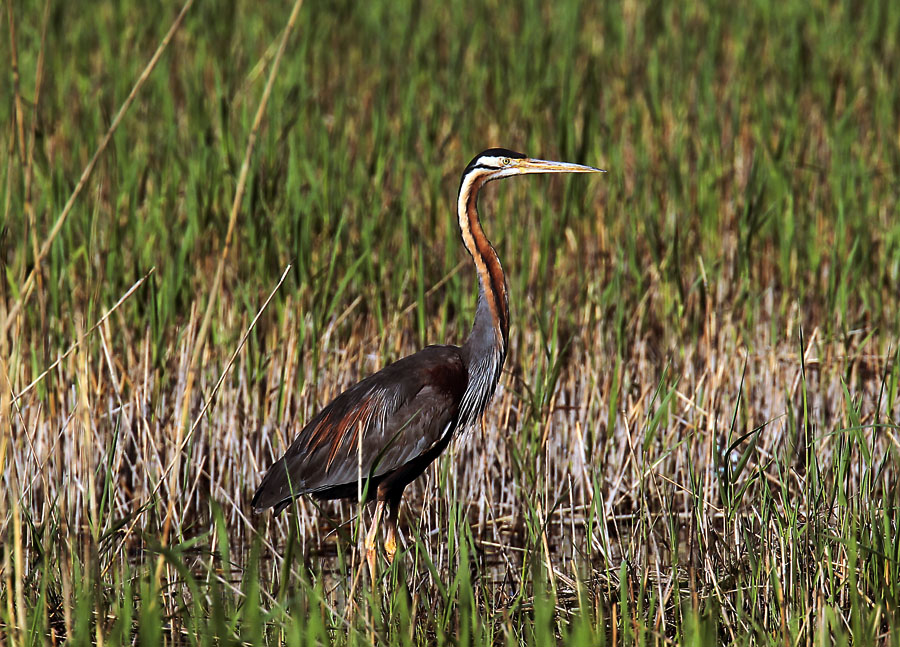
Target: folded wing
375, 427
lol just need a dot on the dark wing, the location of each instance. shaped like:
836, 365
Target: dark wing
394, 416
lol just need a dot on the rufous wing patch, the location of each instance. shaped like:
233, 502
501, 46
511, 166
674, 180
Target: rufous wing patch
342, 429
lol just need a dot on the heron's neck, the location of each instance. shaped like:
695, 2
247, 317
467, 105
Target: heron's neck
485, 349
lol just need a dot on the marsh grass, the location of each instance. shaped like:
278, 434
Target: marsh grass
695, 437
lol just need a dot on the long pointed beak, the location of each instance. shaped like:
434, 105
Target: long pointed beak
546, 166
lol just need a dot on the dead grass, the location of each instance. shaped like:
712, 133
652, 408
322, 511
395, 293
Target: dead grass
553, 481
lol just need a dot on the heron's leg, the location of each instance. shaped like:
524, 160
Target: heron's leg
371, 535
390, 541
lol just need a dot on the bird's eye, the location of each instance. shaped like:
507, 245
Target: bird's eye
504, 161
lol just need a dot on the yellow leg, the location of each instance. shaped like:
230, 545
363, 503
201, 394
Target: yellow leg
390, 541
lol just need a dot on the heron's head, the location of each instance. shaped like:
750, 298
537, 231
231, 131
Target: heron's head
497, 163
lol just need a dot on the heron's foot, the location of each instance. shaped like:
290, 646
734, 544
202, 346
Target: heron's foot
390, 544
